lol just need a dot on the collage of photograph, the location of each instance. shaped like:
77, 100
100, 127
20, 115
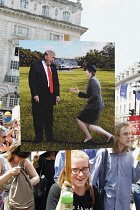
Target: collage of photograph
69, 105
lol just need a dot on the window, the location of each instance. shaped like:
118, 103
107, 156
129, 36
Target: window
21, 31
14, 65
120, 109
117, 110
130, 95
4, 101
124, 108
127, 73
24, 4
46, 11
16, 51
10, 101
56, 12
13, 101
1, 2
66, 16
56, 37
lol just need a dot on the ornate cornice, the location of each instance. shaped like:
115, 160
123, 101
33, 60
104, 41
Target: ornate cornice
46, 20
40, 1
53, 2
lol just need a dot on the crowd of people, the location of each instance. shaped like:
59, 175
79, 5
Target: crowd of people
119, 176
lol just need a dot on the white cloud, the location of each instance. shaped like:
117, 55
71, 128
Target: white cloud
44, 48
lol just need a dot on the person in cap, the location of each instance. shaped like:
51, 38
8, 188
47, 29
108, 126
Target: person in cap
10, 164
91, 112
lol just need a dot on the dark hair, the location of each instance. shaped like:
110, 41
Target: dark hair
14, 149
91, 68
48, 153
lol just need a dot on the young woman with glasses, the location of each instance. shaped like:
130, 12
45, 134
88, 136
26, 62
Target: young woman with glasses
85, 196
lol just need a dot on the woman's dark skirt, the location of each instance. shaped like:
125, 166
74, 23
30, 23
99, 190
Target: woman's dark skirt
90, 116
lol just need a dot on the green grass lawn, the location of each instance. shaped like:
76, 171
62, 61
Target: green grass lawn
66, 131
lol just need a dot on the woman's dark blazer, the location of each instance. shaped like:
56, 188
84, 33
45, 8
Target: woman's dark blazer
93, 94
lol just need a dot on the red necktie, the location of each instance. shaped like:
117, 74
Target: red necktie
50, 79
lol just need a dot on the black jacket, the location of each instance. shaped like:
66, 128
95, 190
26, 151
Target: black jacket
39, 85
93, 94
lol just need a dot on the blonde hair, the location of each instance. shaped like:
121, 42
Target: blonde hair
74, 154
118, 128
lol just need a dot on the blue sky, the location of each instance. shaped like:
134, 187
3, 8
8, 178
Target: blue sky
62, 49
116, 21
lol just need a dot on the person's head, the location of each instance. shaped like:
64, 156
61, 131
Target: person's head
14, 153
90, 70
3, 135
80, 170
49, 57
123, 133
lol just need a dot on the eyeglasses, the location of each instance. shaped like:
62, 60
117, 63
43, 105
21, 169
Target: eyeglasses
76, 171
3, 137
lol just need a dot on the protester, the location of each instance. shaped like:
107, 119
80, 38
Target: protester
5, 140
85, 196
44, 165
120, 170
60, 160
91, 112
136, 187
10, 164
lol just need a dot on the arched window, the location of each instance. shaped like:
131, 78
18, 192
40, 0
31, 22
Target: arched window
46, 11
66, 16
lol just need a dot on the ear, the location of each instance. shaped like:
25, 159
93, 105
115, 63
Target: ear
45, 57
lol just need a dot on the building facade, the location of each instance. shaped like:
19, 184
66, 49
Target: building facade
31, 20
127, 96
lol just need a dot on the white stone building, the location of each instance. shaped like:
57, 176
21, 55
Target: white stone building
130, 78
31, 20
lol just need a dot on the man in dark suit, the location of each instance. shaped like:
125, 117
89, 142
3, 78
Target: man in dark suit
44, 87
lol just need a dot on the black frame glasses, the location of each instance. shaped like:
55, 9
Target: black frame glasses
84, 170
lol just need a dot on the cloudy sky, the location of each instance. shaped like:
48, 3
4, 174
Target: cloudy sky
108, 21
67, 49
116, 21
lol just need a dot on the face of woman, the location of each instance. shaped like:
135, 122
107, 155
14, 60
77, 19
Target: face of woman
18, 159
88, 74
80, 179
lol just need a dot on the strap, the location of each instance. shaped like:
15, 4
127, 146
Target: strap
43, 161
105, 166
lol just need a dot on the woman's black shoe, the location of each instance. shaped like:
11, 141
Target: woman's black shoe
111, 140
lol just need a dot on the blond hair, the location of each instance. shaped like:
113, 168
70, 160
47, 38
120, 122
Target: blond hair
74, 154
118, 128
